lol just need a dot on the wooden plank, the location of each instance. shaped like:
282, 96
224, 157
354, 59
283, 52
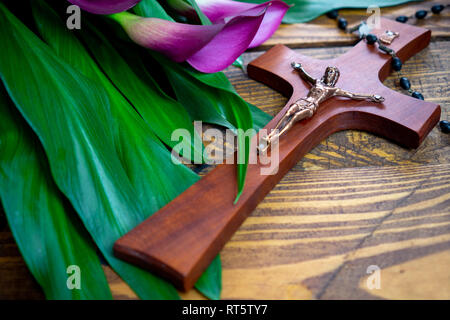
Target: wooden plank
317, 232
16, 282
323, 31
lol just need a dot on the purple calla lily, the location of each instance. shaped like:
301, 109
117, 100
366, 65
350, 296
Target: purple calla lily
236, 27
235, 37
208, 48
219, 11
105, 6
176, 40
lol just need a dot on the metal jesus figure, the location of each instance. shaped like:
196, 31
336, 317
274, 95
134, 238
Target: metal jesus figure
321, 90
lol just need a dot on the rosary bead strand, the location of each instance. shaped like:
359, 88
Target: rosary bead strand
421, 14
396, 63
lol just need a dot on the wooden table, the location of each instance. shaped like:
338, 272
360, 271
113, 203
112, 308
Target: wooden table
354, 201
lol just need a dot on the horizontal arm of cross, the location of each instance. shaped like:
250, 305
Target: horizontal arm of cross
400, 118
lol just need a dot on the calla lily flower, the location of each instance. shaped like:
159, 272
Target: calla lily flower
220, 10
208, 48
236, 26
105, 6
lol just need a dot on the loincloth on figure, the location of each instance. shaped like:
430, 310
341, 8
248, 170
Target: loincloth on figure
302, 106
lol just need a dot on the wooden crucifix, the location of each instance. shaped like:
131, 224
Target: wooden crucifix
179, 241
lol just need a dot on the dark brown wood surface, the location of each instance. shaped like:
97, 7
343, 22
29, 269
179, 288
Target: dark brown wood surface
180, 240
355, 200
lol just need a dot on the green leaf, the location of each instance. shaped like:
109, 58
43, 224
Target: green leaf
200, 102
203, 18
307, 10
239, 63
45, 226
208, 284
260, 118
71, 116
151, 8
209, 96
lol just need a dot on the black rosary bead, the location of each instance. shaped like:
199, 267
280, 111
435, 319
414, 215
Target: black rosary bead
417, 95
445, 126
404, 83
396, 64
342, 23
371, 38
437, 8
401, 19
333, 14
421, 14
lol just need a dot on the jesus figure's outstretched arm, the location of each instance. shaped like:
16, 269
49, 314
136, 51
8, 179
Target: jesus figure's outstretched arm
305, 75
357, 96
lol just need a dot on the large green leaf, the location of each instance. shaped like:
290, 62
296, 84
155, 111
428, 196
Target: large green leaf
45, 226
306, 10
71, 116
151, 8
157, 179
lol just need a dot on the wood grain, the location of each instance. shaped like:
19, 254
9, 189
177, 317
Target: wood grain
318, 231
16, 282
414, 240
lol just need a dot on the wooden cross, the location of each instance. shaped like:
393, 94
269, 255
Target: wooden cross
179, 241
